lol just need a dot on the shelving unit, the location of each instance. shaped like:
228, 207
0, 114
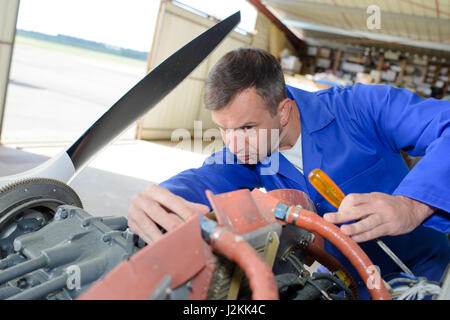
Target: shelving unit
427, 76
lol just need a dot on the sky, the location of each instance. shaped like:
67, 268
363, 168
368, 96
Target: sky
124, 23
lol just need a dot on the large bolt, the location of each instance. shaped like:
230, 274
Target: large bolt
106, 238
22, 283
61, 214
64, 214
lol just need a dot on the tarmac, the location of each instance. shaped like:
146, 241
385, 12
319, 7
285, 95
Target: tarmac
54, 95
107, 185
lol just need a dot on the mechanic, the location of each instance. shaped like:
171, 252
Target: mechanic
354, 134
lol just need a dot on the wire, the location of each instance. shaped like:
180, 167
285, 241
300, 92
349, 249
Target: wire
308, 280
337, 297
337, 281
299, 268
413, 288
295, 263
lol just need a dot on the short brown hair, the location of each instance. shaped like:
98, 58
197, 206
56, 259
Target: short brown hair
241, 69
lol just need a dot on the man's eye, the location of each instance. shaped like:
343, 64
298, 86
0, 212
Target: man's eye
247, 127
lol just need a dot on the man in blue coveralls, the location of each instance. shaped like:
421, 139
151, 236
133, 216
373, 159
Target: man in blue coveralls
354, 134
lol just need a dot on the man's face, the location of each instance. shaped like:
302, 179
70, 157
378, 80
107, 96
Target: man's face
247, 127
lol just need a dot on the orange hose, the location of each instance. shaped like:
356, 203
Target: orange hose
260, 276
310, 221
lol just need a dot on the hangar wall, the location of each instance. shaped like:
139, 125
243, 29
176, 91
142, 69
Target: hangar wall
262, 37
176, 26
8, 18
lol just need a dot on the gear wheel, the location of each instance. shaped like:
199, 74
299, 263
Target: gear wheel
33, 198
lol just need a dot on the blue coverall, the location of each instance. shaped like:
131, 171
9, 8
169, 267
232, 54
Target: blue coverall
355, 134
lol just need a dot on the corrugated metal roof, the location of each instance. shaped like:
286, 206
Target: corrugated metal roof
419, 23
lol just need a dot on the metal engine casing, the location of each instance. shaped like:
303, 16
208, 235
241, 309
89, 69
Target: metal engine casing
76, 251
77, 248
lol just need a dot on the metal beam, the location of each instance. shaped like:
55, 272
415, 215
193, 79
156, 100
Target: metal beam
368, 35
298, 43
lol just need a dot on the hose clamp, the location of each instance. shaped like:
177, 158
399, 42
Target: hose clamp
295, 214
216, 234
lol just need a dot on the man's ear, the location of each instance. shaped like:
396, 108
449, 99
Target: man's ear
284, 111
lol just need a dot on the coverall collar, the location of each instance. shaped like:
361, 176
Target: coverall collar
314, 115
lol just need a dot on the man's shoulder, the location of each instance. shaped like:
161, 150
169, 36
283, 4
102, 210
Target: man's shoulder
297, 94
359, 96
357, 88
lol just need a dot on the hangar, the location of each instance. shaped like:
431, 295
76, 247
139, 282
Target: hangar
328, 206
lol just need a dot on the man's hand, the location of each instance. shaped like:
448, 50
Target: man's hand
158, 206
380, 214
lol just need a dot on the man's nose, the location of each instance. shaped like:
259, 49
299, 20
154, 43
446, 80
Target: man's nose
236, 141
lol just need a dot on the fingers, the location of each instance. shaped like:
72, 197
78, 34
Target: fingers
362, 226
354, 199
171, 201
141, 225
154, 211
353, 207
371, 212
370, 234
198, 207
176, 217
158, 206
363, 209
